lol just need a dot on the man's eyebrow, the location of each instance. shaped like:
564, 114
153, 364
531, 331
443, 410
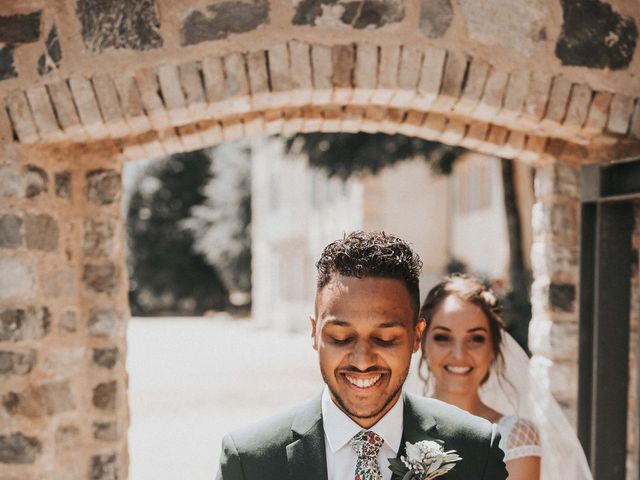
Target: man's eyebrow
337, 323
391, 324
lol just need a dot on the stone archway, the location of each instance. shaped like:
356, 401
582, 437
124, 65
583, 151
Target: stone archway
79, 100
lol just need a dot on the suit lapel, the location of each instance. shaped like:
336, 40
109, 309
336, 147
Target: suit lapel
417, 426
306, 455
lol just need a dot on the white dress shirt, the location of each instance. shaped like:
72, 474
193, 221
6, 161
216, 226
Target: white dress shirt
339, 429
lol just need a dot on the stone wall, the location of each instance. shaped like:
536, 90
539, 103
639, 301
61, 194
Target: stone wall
633, 421
63, 412
553, 331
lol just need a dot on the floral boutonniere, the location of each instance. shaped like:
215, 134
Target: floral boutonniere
424, 460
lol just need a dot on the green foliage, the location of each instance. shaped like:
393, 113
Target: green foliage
166, 275
345, 154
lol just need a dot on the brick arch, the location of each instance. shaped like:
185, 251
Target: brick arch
429, 92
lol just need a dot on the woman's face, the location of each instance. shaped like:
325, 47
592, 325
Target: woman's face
458, 346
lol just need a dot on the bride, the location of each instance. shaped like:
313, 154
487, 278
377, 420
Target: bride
468, 360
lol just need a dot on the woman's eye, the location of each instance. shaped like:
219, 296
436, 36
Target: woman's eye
441, 338
478, 339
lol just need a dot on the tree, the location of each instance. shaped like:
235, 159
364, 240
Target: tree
221, 224
344, 155
166, 275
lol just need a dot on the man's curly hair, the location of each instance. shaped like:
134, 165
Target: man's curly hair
372, 254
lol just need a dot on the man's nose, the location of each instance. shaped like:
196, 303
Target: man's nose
362, 356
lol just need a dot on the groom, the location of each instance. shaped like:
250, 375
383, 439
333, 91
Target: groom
365, 329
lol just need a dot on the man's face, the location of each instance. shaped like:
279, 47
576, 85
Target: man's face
364, 335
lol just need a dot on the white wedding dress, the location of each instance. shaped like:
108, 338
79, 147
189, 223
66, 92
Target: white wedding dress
533, 423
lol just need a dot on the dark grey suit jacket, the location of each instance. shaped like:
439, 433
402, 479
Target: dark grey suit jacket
291, 446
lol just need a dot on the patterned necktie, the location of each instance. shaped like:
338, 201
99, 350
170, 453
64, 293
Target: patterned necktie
367, 445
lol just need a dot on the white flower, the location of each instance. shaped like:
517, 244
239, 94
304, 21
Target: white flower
428, 460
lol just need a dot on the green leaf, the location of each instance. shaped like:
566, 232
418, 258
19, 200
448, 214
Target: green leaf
408, 475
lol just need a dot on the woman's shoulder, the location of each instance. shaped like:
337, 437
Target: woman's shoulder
520, 437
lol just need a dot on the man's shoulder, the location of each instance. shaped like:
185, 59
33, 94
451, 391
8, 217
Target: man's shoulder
273, 431
451, 420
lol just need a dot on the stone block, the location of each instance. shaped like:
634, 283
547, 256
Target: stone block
535, 104
36, 181
554, 260
105, 395
11, 234
365, 73
103, 186
431, 76
67, 323
17, 278
106, 431
107, 98
106, 357
7, 66
258, 79
368, 14
516, 94
620, 113
24, 324
52, 55
62, 182
598, 112
36, 401
63, 360
558, 100
172, 94
43, 114
492, 96
191, 81
19, 449
322, 68
23, 28
87, 107
6, 128
59, 283
149, 89
21, 117
301, 76
452, 80
474, 85
17, 362
236, 84
562, 297
41, 232
559, 219
435, 18
607, 43
578, 106
65, 109
99, 237
119, 24
408, 77
105, 322
131, 104
11, 181
343, 62
388, 67
213, 76
67, 438
557, 179
219, 20
101, 277
104, 467
279, 67
520, 27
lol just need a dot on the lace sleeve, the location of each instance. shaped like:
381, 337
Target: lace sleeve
521, 439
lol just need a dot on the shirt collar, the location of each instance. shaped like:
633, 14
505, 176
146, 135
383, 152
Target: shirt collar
339, 428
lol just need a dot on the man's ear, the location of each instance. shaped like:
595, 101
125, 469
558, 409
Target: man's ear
420, 326
314, 341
